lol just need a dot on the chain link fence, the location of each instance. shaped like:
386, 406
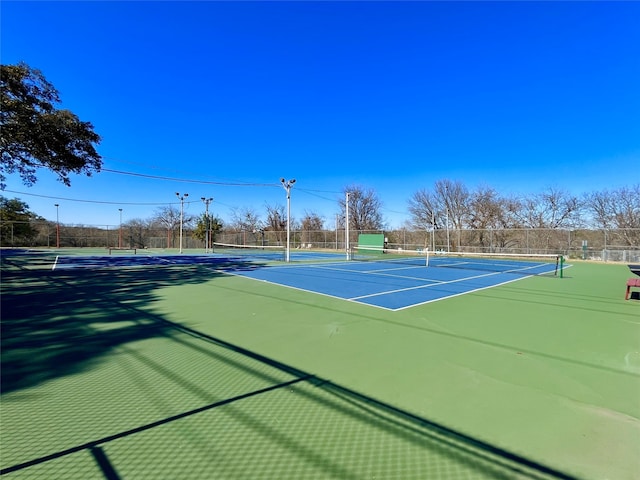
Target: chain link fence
611, 245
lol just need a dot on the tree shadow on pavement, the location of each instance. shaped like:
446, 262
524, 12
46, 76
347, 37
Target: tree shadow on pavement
56, 323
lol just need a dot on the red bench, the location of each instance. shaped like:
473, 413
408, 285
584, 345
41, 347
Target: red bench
632, 282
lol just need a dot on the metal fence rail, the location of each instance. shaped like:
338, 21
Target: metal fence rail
619, 245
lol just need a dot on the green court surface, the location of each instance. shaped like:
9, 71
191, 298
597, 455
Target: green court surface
185, 372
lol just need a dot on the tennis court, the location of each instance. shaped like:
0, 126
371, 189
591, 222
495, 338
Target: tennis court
216, 367
405, 281
392, 281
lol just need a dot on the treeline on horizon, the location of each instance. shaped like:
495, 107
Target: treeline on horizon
447, 204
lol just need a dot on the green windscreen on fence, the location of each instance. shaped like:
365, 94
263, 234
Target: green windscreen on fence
370, 242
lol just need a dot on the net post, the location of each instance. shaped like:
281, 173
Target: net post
426, 261
561, 266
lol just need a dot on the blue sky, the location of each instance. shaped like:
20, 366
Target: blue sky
392, 96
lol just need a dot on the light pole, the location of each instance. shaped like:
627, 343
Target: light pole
287, 186
181, 214
448, 243
346, 224
57, 225
206, 201
120, 235
446, 206
433, 231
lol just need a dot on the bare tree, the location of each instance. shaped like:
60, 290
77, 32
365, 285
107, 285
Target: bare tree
276, 219
245, 219
312, 221
448, 201
455, 200
447, 204
487, 212
424, 209
617, 209
312, 225
137, 232
553, 208
364, 208
601, 206
486, 209
169, 218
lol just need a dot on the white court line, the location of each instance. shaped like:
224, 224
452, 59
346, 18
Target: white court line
356, 299
517, 279
454, 294
162, 259
315, 292
407, 267
462, 293
380, 273
106, 266
326, 266
435, 283
454, 265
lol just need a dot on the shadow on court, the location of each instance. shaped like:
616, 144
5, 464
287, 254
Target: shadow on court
297, 423
194, 405
56, 323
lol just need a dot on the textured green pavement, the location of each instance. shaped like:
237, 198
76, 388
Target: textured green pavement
545, 368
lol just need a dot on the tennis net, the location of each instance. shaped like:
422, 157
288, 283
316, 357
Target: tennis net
363, 253
262, 252
525, 264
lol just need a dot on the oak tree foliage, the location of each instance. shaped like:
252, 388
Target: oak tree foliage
35, 134
16, 220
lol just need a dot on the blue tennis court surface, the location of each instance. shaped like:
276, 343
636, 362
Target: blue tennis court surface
390, 285
384, 284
